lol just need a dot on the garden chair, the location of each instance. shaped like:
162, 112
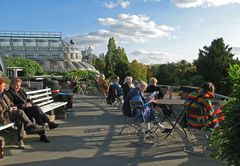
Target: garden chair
198, 137
140, 124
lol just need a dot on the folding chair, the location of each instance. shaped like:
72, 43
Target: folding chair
140, 125
196, 130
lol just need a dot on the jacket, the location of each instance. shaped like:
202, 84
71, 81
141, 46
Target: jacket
153, 88
202, 99
126, 105
5, 104
18, 98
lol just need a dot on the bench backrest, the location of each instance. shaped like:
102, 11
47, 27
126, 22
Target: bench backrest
41, 97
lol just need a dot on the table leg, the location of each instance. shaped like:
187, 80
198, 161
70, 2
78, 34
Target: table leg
177, 121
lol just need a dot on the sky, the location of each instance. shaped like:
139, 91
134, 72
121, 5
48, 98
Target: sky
151, 31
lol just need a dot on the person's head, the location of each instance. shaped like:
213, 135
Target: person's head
115, 79
2, 85
208, 86
153, 81
102, 76
16, 84
142, 85
128, 80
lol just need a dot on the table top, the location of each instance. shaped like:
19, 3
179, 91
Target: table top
169, 101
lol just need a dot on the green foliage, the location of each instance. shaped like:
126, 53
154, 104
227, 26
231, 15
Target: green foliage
226, 138
213, 62
109, 69
138, 70
180, 73
116, 61
80, 74
31, 68
99, 64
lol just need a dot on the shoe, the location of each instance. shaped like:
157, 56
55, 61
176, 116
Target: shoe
34, 129
21, 145
43, 138
166, 130
52, 125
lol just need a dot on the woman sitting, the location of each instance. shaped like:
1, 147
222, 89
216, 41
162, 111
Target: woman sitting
201, 98
136, 95
152, 87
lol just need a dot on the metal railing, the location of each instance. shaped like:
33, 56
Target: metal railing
31, 34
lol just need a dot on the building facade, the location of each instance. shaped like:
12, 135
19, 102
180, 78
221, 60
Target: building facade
47, 48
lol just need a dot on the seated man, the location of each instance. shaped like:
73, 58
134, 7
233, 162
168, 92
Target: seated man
136, 95
20, 99
202, 98
115, 90
9, 112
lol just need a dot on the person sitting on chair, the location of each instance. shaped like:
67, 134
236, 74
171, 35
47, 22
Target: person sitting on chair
115, 90
201, 98
20, 99
152, 87
9, 112
127, 86
136, 95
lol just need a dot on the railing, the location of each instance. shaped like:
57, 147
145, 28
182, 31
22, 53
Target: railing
170, 87
34, 34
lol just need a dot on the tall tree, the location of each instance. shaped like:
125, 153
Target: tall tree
109, 71
120, 63
213, 62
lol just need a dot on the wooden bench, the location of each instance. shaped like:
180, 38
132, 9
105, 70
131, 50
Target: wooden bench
42, 98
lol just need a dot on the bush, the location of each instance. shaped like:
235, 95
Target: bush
226, 138
31, 68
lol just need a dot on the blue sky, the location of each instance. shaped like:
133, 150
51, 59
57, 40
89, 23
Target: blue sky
151, 31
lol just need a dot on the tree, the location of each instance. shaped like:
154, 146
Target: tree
225, 139
116, 61
99, 64
31, 68
109, 71
213, 62
120, 63
138, 70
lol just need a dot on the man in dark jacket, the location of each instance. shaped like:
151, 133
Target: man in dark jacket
20, 99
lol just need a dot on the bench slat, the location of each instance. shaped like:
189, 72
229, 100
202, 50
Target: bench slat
52, 106
6, 126
38, 91
40, 95
44, 103
42, 99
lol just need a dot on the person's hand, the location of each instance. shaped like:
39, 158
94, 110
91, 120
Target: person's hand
151, 100
14, 108
28, 105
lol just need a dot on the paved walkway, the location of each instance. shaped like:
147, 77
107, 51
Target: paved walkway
90, 139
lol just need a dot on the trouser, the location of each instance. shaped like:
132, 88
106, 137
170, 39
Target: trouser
36, 113
21, 121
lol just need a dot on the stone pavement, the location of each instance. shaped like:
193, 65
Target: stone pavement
90, 139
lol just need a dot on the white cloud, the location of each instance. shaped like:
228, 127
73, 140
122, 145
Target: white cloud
202, 3
125, 28
117, 3
153, 57
151, 0
236, 51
